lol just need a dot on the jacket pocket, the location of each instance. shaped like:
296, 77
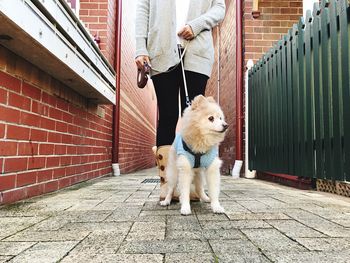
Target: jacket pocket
203, 45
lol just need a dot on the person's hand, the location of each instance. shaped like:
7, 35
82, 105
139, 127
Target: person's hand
186, 33
140, 60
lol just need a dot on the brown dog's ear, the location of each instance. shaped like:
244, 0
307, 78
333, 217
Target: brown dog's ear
197, 101
211, 99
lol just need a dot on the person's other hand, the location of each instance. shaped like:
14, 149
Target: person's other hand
186, 33
140, 60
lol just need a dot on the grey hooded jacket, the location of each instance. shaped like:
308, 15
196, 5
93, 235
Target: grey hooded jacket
156, 33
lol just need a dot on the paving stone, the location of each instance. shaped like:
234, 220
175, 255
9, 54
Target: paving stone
12, 225
47, 206
238, 224
294, 229
255, 206
233, 207
120, 227
106, 206
177, 234
14, 248
300, 257
236, 246
83, 216
21, 209
271, 240
85, 205
150, 219
213, 234
5, 258
325, 244
272, 202
327, 227
212, 217
120, 258
177, 206
99, 242
166, 246
28, 235
256, 216
342, 222
153, 206
183, 223
242, 258
189, 257
50, 224
146, 231
161, 213
45, 252
124, 215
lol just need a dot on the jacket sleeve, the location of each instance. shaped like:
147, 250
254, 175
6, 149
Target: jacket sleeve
209, 19
141, 27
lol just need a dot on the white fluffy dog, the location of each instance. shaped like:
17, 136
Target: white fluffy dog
194, 154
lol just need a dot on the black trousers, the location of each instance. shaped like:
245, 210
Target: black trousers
167, 86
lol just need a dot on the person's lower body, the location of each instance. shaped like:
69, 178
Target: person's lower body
167, 86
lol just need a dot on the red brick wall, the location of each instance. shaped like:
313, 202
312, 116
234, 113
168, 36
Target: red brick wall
276, 17
50, 136
227, 83
137, 107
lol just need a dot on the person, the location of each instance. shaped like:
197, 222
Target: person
164, 30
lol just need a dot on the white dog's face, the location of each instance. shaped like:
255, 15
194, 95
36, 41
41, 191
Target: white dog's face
206, 118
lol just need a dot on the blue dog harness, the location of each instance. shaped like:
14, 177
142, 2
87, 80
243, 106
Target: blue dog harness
196, 159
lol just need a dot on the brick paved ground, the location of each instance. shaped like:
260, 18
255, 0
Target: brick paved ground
119, 220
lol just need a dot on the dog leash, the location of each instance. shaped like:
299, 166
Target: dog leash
143, 74
182, 54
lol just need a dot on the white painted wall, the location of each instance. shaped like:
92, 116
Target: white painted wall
308, 4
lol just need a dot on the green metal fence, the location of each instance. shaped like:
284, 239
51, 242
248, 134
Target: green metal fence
299, 99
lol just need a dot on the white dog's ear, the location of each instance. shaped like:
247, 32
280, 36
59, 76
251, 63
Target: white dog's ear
211, 99
197, 101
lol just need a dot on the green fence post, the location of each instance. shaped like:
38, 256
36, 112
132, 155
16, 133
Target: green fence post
337, 100
327, 94
344, 16
317, 67
309, 99
290, 102
302, 97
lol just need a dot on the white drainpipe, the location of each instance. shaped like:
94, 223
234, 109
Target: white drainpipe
248, 173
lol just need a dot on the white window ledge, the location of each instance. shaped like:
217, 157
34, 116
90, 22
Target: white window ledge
48, 34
